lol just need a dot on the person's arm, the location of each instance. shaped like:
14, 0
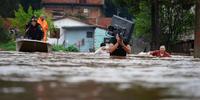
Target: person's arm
113, 47
46, 25
167, 54
98, 51
153, 53
127, 48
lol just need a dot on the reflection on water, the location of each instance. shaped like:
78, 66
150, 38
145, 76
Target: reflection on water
79, 76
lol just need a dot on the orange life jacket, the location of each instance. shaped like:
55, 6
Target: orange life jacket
44, 26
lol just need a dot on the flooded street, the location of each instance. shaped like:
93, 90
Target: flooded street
79, 76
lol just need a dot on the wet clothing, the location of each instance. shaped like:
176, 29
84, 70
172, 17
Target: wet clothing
158, 53
44, 26
34, 32
102, 50
119, 51
29, 23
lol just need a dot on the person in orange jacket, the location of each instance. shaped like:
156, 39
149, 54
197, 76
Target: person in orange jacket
44, 26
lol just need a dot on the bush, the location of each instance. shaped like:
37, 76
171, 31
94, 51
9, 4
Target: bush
22, 18
8, 46
72, 48
4, 35
60, 48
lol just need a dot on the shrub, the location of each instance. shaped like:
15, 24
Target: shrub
4, 35
22, 18
72, 48
8, 46
60, 48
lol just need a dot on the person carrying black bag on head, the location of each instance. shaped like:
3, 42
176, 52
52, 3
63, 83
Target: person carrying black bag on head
119, 47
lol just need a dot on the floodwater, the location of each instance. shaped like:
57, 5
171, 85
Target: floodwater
81, 76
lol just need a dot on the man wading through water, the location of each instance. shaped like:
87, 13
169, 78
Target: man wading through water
119, 47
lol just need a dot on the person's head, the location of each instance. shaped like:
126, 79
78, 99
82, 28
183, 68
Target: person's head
34, 17
162, 48
34, 22
102, 44
42, 17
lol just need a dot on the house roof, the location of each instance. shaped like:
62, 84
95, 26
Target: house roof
102, 22
80, 2
70, 23
73, 18
78, 27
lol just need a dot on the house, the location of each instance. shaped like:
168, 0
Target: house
73, 32
99, 36
90, 11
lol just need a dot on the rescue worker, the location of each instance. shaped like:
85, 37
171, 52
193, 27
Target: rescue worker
44, 25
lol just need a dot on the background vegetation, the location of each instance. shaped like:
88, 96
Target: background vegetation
22, 18
61, 48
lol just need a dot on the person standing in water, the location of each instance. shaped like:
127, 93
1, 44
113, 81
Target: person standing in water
119, 47
102, 50
44, 26
160, 53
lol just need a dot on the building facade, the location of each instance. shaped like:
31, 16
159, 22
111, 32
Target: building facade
90, 10
74, 32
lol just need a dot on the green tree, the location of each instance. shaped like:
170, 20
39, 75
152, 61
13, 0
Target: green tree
140, 9
177, 19
4, 34
22, 18
143, 22
163, 20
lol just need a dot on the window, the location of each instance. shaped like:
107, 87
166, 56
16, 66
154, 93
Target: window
86, 12
55, 33
89, 34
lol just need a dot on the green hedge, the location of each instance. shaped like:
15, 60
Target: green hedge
60, 48
8, 46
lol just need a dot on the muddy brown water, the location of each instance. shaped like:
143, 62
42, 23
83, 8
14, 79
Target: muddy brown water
82, 76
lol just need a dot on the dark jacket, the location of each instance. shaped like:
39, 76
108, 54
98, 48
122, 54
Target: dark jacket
34, 32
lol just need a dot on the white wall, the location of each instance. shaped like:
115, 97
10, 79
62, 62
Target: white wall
66, 22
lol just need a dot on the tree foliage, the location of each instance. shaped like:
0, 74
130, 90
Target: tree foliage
141, 11
4, 34
143, 22
22, 18
176, 17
